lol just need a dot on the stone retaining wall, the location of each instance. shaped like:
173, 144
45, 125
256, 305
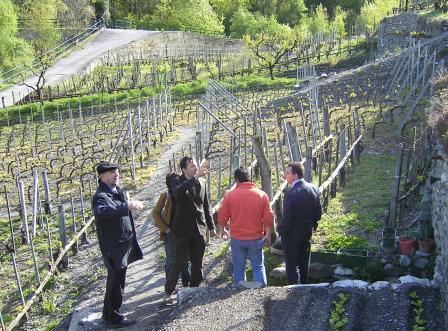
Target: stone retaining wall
394, 31
440, 225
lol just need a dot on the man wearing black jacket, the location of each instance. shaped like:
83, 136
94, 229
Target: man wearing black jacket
116, 237
192, 217
301, 212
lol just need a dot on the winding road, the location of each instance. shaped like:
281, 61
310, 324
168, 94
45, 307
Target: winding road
78, 60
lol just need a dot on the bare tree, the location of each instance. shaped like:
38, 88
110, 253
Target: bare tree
39, 69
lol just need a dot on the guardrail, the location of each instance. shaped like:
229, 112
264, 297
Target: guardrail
24, 69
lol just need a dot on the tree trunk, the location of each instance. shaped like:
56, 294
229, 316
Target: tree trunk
265, 168
271, 72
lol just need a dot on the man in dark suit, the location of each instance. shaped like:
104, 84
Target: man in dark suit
116, 237
301, 212
192, 217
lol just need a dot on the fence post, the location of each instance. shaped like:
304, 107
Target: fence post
308, 164
84, 238
23, 212
11, 227
36, 268
131, 140
72, 214
390, 220
343, 151
16, 272
327, 130
50, 248
35, 202
62, 234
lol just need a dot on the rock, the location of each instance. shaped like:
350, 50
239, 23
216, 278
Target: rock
320, 270
408, 279
435, 283
351, 283
317, 285
379, 285
405, 261
421, 262
341, 271
185, 292
277, 251
337, 277
277, 247
279, 272
249, 285
391, 270
86, 317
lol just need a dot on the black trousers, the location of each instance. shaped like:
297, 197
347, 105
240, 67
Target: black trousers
114, 294
186, 247
296, 245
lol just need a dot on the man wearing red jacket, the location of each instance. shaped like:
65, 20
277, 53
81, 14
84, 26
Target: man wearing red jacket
250, 215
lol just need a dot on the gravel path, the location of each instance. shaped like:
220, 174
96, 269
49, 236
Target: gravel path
145, 278
105, 40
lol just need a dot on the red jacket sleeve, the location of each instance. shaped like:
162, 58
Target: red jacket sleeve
224, 212
268, 213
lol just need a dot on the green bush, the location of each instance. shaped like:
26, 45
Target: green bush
372, 272
337, 241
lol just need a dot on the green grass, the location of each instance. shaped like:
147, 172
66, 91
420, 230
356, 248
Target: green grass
357, 209
433, 15
222, 250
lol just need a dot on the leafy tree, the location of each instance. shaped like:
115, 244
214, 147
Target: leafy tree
265, 8
12, 48
290, 12
188, 15
136, 11
268, 48
40, 25
75, 16
102, 9
372, 13
227, 8
318, 22
338, 22
246, 23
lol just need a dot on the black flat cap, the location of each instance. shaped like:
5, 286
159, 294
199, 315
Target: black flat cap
106, 166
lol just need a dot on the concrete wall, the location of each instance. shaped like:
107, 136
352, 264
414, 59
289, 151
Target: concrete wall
440, 225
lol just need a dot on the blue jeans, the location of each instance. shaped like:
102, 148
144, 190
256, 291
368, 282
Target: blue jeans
252, 249
169, 252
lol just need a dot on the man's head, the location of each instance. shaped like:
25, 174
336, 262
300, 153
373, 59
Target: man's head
241, 175
188, 166
293, 172
109, 173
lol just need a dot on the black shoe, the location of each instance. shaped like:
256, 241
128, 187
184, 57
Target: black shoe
121, 323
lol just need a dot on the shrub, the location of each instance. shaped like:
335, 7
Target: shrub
372, 272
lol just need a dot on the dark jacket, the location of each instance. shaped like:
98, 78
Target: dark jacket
301, 206
192, 211
115, 228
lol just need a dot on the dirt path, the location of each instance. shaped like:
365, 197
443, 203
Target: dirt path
145, 278
105, 40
